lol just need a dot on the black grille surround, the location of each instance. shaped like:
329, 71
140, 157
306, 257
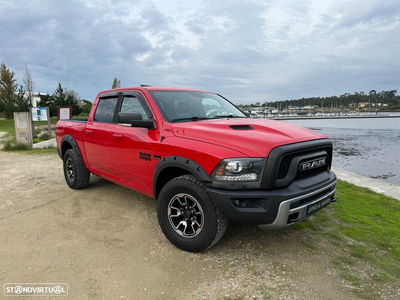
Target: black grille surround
282, 166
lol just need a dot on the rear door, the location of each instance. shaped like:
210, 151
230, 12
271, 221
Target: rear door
132, 147
98, 134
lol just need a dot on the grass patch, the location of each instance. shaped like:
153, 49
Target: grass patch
25, 150
53, 121
352, 279
42, 138
363, 226
7, 125
369, 217
9, 146
363, 216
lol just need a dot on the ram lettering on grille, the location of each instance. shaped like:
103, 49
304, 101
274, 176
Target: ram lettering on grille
312, 164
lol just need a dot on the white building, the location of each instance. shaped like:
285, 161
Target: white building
35, 98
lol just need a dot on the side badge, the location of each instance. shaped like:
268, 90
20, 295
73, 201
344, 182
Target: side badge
145, 156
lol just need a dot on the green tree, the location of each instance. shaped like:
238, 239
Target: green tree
45, 100
22, 103
53, 101
86, 107
70, 101
61, 97
73, 99
116, 83
391, 95
8, 88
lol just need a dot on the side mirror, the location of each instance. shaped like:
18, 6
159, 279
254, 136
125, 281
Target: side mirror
135, 120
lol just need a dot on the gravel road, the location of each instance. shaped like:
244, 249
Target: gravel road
105, 243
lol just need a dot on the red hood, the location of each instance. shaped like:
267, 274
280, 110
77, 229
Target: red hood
256, 142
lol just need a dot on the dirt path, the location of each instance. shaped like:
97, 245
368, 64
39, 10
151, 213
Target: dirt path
105, 243
2, 138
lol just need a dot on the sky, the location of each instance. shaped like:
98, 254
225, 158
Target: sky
248, 51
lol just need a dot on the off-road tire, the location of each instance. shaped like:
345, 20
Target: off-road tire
76, 175
213, 223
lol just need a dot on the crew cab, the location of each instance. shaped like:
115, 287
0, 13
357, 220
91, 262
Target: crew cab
201, 159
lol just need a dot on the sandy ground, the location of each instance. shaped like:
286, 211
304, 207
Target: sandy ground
2, 138
105, 243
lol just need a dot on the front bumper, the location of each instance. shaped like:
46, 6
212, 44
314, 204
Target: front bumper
278, 208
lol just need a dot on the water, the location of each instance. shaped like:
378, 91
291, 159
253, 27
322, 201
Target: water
369, 147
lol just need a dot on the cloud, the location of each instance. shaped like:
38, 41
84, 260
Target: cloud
249, 50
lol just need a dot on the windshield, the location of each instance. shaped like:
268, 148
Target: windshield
181, 106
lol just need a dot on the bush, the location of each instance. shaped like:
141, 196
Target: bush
44, 137
9, 146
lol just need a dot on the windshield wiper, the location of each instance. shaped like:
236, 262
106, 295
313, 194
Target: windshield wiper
189, 119
229, 116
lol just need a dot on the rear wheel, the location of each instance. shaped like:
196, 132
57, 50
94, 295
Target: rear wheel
76, 175
187, 216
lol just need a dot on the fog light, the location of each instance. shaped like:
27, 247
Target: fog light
244, 203
236, 202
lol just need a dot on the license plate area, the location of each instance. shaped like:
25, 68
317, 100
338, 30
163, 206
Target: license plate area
312, 208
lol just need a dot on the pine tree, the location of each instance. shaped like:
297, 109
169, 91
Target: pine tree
116, 83
22, 103
8, 87
59, 96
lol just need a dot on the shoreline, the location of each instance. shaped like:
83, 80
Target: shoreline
330, 117
376, 185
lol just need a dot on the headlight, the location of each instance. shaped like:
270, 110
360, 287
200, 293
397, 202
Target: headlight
239, 170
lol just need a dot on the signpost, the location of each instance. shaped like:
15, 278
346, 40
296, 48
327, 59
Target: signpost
23, 132
40, 114
64, 112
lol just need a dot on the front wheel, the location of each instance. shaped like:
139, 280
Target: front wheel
187, 216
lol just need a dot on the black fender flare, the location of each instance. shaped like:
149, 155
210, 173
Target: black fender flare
179, 162
70, 140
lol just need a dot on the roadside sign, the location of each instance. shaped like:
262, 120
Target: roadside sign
23, 131
39, 114
64, 112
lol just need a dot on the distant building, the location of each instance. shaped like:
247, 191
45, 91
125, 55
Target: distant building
363, 104
35, 98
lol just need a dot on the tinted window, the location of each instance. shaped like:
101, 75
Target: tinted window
105, 110
186, 105
133, 105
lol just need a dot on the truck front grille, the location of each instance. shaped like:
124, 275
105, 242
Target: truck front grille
283, 163
287, 162
284, 166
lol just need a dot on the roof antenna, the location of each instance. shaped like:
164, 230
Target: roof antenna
144, 85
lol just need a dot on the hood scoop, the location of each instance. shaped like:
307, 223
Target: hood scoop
241, 127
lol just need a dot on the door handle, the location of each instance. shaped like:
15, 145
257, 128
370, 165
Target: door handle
117, 136
87, 131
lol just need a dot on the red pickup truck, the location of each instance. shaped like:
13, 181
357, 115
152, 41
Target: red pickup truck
201, 159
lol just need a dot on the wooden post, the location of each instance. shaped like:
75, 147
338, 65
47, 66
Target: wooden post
32, 123
48, 120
